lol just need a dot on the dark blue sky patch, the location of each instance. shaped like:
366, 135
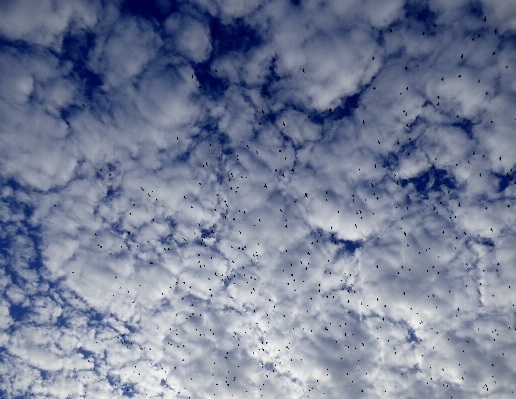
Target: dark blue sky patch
412, 335
228, 281
466, 125
287, 141
346, 246
235, 37
223, 139
295, 2
150, 9
420, 182
45, 374
206, 233
94, 317
345, 108
390, 161
475, 8
20, 45
130, 328
443, 180
66, 112
129, 389
486, 241
431, 180
415, 123
212, 84
184, 157
503, 181
86, 353
380, 40
75, 49
62, 319
18, 313
420, 10
110, 193
8, 232
268, 88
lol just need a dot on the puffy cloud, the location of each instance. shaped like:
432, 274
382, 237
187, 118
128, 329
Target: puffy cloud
45, 22
125, 51
191, 37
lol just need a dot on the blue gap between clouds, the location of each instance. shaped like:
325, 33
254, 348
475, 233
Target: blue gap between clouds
75, 49
503, 181
235, 37
475, 8
344, 109
129, 389
85, 353
150, 9
438, 177
412, 335
18, 312
345, 246
466, 125
487, 242
420, 11
271, 78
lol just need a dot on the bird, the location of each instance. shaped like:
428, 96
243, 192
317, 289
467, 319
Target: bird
265, 185
306, 195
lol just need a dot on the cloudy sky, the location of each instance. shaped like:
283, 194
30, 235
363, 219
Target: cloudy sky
277, 199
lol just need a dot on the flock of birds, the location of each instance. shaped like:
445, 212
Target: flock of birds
299, 276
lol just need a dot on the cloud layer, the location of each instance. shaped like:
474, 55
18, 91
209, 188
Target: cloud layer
270, 199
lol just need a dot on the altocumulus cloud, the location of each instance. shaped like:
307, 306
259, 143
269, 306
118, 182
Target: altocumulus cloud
278, 199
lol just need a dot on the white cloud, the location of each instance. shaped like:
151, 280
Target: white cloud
191, 38
44, 22
128, 46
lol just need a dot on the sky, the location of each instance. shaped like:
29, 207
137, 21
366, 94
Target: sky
277, 199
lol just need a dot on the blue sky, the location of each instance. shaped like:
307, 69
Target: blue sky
278, 199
